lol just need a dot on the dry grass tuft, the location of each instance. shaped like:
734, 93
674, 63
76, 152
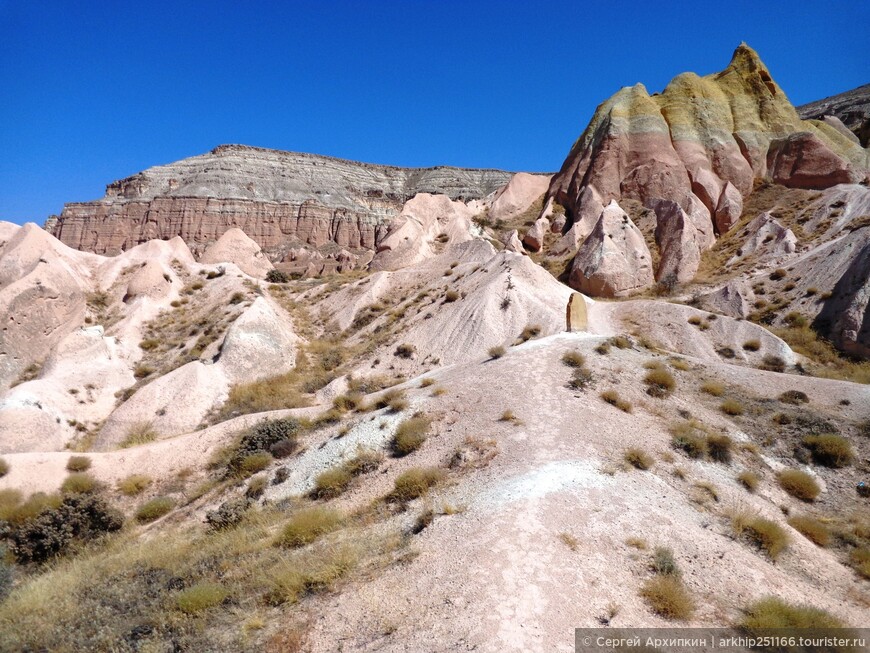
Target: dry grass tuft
415, 483
78, 464
830, 449
308, 524
496, 352
774, 613
799, 484
660, 382
410, 435
573, 359
638, 458
713, 388
812, 529
763, 533
749, 480
668, 597
732, 407
154, 509
134, 484
612, 397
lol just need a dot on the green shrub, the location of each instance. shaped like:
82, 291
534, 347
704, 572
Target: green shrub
154, 509
612, 397
229, 513
668, 597
201, 596
51, 531
308, 524
4, 468
752, 345
763, 533
772, 613
799, 484
414, 483
812, 529
830, 449
731, 407
331, 483
79, 483
78, 464
134, 484
638, 458
410, 435
660, 382
573, 359
276, 276
496, 352
663, 562
749, 480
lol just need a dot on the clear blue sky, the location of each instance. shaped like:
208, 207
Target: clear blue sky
95, 91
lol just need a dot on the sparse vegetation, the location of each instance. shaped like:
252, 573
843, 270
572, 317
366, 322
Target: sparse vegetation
139, 433
799, 484
812, 529
830, 449
763, 533
253, 463
580, 379
603, 348
638, 458
134, 484
496, 352
415, 483
713, 388
774, 613
720, 447
612, 397
308, 524
276, 276
79, 483
771, 363
752, 345
331, 483
573, 359
531, 331
4, 468
667, 597
731, 407
154, 509
660, 382
749, 480
201, 596
794, 397
410, 435
78, 464
405, 350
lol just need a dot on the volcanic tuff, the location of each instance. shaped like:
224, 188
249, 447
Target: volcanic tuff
851, 108
279, 199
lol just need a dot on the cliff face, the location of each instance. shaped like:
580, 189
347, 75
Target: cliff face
282, 200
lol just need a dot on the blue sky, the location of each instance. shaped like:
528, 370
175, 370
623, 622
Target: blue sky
96, 91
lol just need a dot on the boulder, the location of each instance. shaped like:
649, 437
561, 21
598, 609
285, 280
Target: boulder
678, 242
575, 313
534, 238
614, 260
515, 197
234, 246
729, 208
734, 299
512, 242
803, 160
765, 238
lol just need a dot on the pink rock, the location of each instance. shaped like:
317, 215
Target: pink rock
802, 160
512, 243
534, 238
678, 242
729, 208
614, 260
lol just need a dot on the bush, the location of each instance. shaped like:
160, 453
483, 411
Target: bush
663, 562
731, 407
580, 379
830, 449
749, 480
638, 458
405, 350
771, 612
799, 484
134, 484
812, 529
410, 436
331, 483
689, 437
531, 331
860, 559
496, 352
139, 433
348, 402
661, 382
256, 487
603, 348
763, 533
394, 399
154, 509
752, 345
414, 483
450, 296
307, 525
573, 359
620, 342
201, 596
364, 462
78, 464
79, 483
668, 598
794, 397
229, 513
4, 468
713, 388
612, 397
276, 276
720, 447
253, 463
772, 363
78, 518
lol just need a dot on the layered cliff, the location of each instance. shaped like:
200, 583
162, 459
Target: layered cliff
280, 199
851, 109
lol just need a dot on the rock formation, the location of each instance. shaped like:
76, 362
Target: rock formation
614, 260
702, 141
234, 246
279, 199
850, 109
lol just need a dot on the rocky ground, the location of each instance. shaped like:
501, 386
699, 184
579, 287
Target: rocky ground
449, 447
